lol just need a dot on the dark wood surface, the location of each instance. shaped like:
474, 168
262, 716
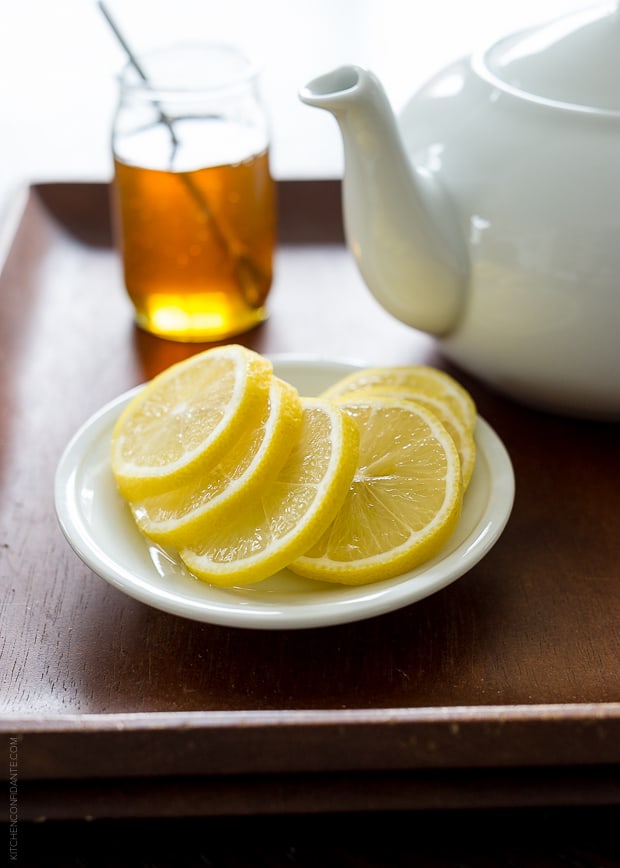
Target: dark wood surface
513, 671
519, 838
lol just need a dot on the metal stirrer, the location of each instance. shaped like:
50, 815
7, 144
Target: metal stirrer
250, 279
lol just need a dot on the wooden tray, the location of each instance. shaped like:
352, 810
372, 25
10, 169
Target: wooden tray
503, 689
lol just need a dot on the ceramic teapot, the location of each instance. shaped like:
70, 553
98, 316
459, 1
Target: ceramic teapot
488, 214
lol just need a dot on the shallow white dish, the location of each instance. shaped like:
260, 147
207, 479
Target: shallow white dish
100, 529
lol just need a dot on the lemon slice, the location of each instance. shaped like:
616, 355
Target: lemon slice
181, 516
417, 379
186, 418
460, 432
268, 532
404, 501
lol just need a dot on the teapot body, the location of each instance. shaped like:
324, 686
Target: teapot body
535, 185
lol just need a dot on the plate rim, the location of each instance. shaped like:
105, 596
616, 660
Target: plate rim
378, 598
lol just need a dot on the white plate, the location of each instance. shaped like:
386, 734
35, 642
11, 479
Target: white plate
99, 527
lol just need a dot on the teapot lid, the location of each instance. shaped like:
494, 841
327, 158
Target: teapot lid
572, 62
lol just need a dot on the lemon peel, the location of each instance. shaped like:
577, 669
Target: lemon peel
295, 508
185, 513
453, 422
416, 379
404, 501
185, 418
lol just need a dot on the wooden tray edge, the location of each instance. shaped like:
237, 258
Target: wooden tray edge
224, 743
83, 209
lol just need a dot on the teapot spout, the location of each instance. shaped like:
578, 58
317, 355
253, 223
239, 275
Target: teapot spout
399, 222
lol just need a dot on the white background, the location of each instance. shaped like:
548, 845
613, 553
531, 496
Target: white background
58, 61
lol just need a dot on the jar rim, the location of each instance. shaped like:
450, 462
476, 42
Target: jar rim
189, 70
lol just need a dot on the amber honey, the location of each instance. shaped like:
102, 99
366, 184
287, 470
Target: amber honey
197, 246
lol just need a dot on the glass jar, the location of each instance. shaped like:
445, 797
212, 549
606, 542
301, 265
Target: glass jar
194, 201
